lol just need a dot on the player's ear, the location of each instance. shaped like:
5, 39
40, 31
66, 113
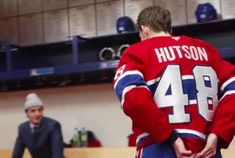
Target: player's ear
145, 30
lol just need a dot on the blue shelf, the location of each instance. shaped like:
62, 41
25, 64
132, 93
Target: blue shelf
58, 70
79, 68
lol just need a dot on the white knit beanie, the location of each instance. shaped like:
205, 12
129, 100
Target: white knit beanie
32, 100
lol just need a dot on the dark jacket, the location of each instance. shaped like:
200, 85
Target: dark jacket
45, 142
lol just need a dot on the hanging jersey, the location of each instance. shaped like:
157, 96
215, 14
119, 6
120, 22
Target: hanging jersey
168, 82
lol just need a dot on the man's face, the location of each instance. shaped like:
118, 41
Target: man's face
35, 114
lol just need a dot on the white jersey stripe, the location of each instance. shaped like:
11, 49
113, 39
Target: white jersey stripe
141, 136
227, 93
227, 82
189, 131
151, 82
187, 77
133, 72
192, 102
126, 90
139, 153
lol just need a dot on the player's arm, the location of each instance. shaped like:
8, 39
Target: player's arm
137, 100
19, 147
223, 124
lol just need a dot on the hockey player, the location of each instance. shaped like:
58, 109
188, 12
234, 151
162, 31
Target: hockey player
177, 90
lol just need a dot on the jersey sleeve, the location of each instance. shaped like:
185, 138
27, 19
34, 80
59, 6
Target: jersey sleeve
136, 99
223, 123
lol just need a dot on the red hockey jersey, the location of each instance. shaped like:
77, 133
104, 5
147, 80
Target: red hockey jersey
180, 83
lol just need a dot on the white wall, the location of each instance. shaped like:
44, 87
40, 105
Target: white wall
92, 106
56, 20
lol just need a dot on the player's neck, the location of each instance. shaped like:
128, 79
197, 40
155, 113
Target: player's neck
157, 34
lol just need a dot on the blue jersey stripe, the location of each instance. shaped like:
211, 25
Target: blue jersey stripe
189, 88
129, 80
188, 135
229, 87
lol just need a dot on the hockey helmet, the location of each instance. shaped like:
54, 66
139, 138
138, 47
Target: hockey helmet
205, 12
125, 24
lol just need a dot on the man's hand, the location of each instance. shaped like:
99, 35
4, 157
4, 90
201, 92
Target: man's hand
180, 150
210, 149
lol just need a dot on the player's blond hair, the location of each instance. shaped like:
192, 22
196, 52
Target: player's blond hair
156, 18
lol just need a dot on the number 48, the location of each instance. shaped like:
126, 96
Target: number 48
172, 79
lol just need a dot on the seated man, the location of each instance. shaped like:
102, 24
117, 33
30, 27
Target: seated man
41, 135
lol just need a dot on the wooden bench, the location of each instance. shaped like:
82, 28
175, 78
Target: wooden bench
106, 152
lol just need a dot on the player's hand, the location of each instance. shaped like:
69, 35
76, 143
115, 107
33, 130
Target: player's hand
210, 149
180, 150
